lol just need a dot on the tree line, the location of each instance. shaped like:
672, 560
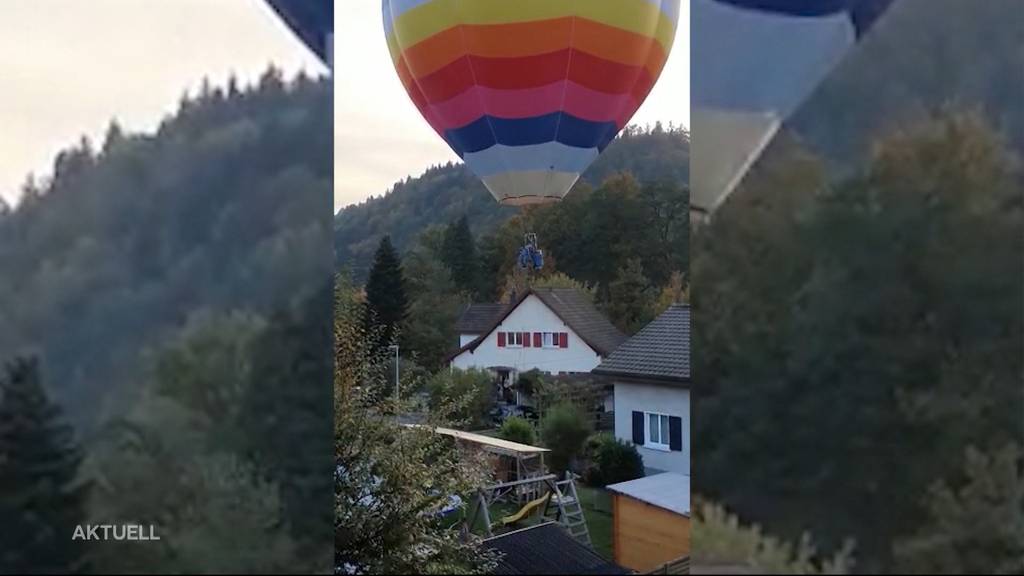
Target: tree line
167, 350
444, 194
623, 243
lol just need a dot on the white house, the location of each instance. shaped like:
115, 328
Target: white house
554, 330
651, 373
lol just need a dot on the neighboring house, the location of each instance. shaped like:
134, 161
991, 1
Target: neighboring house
651, 373
547, 549
651, 522
554, 330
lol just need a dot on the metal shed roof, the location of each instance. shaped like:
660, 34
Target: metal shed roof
668, 490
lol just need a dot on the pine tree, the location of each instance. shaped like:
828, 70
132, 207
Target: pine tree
386, 302
459, 254
40, 500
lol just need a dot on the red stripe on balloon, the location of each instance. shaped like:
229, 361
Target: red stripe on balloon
533, 72
564, 96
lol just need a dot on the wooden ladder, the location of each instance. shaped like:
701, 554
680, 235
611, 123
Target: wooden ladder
570, 509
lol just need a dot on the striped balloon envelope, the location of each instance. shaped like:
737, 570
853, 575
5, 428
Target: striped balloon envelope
756, 62
311, 20
529, 92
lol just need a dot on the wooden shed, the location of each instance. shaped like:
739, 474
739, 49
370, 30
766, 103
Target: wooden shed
651, 523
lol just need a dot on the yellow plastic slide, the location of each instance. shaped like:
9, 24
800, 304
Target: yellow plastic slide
525, 511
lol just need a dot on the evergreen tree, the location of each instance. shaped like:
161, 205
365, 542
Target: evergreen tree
459, 255
435, 303
386, 302
40, 501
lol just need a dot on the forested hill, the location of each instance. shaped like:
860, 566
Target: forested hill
226, 206
443, 194
922, 56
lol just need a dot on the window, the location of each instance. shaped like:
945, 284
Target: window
658, 431
549, 340
515, 339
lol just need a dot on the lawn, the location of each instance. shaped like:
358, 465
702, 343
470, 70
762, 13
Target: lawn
597, 509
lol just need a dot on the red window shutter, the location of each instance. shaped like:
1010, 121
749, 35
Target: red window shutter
501, 339
526, 339
537, 342
563, 338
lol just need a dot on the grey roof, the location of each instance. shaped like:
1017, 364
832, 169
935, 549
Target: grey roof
659, 352
478, 317
668, 490
547, 549
574, 308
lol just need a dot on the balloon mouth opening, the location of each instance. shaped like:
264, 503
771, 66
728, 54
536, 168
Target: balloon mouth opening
528, 200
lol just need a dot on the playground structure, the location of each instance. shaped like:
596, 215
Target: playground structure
512, 461
558, 501
523, 480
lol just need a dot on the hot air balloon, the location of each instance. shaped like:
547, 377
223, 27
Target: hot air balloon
310, 20
757, 61
529, 92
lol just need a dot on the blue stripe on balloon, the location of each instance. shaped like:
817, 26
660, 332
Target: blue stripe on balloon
806, 8
863, 13
311, 20
553, 156
488, 131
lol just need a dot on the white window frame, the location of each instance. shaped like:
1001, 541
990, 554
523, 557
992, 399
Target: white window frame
549, 339
664, 432
511, 337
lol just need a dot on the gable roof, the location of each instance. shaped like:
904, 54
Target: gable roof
576, 310
547, 549
478, 317
659, 352
573, 308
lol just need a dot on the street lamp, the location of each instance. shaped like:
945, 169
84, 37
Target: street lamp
397, 401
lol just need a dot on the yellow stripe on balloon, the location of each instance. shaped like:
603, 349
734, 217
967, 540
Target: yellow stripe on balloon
422, 22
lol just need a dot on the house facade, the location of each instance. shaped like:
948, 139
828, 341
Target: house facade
553, 330
651, 376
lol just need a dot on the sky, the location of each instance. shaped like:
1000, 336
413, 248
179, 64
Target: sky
68, 67
380, 137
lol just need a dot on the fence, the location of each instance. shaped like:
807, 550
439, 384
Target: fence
680, 566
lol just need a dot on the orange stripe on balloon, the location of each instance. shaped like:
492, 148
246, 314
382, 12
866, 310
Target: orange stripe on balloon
523, 39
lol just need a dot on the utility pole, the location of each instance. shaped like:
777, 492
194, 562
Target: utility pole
397, 398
